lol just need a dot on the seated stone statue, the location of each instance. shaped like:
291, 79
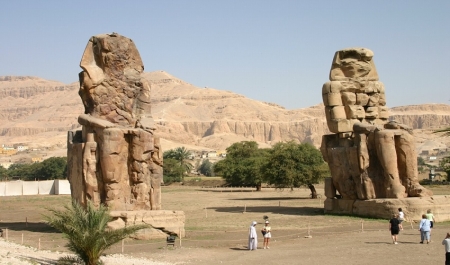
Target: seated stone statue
368, 156
119, 156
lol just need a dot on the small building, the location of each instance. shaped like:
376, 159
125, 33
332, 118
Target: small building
37, 159
211, 154
21, 148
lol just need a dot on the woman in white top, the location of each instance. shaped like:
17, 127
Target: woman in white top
267, 234
401, 217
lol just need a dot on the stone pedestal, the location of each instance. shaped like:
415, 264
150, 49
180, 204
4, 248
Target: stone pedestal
167, 222
413, 207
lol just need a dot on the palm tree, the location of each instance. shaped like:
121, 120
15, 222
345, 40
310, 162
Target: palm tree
181, 154
86, 230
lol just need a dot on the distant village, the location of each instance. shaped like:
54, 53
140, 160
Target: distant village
34, 155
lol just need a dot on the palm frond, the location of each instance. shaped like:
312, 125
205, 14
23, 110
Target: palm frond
86, 230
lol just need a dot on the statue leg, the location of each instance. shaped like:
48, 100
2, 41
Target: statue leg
407, 165
387, 155
113, 159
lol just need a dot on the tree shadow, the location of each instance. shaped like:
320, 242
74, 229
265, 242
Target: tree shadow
39, 227
300, 211
272, 199
41, 261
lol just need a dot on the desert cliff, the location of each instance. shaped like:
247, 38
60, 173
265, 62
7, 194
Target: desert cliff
39, 112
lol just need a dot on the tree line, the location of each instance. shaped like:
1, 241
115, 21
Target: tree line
285, 165
51, 168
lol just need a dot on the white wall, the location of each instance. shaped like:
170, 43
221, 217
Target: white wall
45, 187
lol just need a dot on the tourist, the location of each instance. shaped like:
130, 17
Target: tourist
252, 237
446, 243
394, 227
266, 231
430, 217
401, 218
424, 228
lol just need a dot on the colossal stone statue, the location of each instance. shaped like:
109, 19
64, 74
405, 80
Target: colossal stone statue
115, 159
369, 157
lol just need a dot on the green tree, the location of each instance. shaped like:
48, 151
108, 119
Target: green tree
86, 230
241, 167
3, 173
180, 154
24, 171
206, 168
291, 165
53, 168
445, 165
172, 171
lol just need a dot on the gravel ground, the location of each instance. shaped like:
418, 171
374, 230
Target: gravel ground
14, 254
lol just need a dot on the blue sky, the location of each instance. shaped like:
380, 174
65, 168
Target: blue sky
277, 51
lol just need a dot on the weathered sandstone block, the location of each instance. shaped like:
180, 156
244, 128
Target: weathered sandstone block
115, 159
368, 156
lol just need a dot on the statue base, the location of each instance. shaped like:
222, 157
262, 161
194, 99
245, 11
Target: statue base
413, 207
165, 222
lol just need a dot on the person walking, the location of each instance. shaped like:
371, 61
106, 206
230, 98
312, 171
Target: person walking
252, 237
430, 216
424, 228
446, 243
394, 227
266, 231
401, 217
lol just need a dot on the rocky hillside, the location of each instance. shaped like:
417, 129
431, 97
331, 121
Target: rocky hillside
39, 112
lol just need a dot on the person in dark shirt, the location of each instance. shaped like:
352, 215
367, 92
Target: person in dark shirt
394, 228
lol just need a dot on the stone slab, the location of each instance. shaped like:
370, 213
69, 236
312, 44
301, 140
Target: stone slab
413, 207
170, 221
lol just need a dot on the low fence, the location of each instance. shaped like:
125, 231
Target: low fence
45, 187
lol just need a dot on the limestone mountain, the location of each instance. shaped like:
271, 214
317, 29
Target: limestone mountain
39, 112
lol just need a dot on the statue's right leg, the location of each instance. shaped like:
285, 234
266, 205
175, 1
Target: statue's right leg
387, 155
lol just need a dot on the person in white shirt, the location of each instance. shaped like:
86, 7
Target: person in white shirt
401, 217
266, 231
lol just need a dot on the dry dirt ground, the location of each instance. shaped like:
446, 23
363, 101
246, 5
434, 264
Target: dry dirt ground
217, 221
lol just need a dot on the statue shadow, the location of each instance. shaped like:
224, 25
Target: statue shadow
39, 227
299, 211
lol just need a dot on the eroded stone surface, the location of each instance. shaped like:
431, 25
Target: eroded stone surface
369, 157
118, 154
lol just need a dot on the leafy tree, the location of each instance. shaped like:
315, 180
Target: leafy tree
172, 171
445, 162
445, 165
242, 164
3, 173
180, 154
291, 165
86, 230
24, 171
53, 168
206, 168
